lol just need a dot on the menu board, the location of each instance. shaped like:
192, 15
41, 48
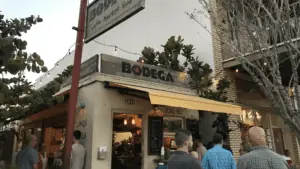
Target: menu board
193, 127
155, 135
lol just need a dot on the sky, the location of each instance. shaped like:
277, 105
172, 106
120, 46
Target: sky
52, 38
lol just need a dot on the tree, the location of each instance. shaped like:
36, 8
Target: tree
199, 73
14, 61
264, 37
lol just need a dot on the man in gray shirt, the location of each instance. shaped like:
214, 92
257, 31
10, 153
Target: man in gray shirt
28, 157
260, 156
181, 159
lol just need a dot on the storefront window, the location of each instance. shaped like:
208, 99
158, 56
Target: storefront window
172, 124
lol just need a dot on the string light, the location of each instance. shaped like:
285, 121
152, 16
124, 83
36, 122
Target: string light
116, 47
236, 70
133, 121
265, 63
115, 51
125, 122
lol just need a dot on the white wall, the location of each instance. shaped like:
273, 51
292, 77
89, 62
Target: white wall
101, 103
150, 27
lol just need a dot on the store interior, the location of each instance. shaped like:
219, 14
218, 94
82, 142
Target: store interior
127, 141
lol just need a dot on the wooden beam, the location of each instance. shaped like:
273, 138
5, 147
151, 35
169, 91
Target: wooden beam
256, 55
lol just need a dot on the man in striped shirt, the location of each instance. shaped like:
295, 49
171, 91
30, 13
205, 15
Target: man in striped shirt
260, 156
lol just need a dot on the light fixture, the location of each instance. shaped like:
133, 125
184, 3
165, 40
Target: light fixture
265, 63
125, 122
142, 61
115, 51
236, 70
8, 119
133, 121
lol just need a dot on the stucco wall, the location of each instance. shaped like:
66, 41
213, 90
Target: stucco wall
101, 103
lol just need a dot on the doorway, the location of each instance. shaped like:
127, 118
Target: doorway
278, 139
127, 141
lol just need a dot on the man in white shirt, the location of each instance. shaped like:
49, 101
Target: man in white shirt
78, 152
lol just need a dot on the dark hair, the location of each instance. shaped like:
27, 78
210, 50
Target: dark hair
181, 136
286, 152
77, 134
217, 138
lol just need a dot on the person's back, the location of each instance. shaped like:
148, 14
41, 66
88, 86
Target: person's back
78, 152
78, 155
218, 158
261, 158
26, 158
181, 159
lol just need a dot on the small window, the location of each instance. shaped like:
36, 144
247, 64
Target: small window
172, 124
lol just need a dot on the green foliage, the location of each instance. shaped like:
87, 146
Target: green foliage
17, 98
36, 101
200, 73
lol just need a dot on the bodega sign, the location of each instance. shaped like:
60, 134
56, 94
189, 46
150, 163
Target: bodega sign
103, 15
145, 71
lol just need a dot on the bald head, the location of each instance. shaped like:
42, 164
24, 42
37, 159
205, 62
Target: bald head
257, 136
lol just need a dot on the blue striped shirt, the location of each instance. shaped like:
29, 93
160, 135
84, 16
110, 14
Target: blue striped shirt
218, 158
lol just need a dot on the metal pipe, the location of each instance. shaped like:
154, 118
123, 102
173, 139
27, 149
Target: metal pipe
75, 83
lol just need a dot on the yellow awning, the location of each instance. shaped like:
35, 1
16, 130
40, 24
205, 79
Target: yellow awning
186, 101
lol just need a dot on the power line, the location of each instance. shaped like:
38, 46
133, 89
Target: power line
116, 47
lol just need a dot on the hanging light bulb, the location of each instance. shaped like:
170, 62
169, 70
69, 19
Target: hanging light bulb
133, 121
125, 122
115, 51
236, 70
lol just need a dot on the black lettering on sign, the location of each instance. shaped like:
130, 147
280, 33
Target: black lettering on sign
129, 101
136, 70
126, 67
146, 72
154, 74
100, 8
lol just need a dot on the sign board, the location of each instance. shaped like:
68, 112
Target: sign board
136, 70
155, 135
103, 15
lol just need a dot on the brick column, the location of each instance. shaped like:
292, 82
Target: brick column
219, 52
296, 149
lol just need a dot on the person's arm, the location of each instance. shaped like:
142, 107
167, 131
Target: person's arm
204, 162
233, 166
34, 159
195, 165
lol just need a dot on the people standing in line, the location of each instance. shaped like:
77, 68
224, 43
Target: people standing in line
181, 159
43, 157
218, 157
199, 148
78, 152
260, 156
28, 157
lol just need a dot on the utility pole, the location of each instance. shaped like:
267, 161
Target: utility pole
75, 83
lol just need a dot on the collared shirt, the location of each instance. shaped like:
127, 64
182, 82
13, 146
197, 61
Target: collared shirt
183, 160
261, 157
218, 158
